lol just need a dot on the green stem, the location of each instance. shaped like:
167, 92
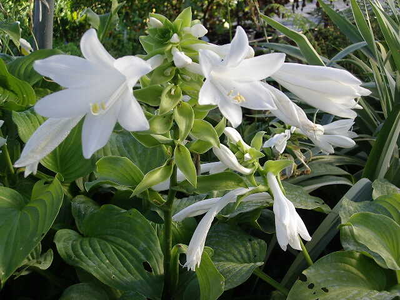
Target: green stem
167, 293
305, 253
7, 156
271, 281
229, 20
398, 276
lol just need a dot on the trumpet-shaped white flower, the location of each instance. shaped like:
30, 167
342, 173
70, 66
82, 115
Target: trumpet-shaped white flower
329, 89
325, 137
235, 81
212, 207
288, 223
212, 168
278, 141
98, 88
181, 60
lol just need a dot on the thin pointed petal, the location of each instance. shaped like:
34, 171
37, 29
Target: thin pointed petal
131, 116
93, 50
238, 50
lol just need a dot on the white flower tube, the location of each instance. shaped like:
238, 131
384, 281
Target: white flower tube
214, 206
329, 89
198, 30
288, 223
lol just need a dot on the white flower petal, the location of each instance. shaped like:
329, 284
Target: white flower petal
31, 169
97, 130
175, 39
208, 60
196, 245
74, 102
45, 139
209, 94
131, 116
196, 209
235, 136
339, 141
339, 127
253, 95
238, 49
256, 68
133, 68
72, 71
93, 50
226, 156
231, 111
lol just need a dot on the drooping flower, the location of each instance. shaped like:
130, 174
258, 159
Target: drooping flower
98, 87
325, 137
212, 207
212, 168
234, 81
329, 89
288, 223
336, 134
278, 141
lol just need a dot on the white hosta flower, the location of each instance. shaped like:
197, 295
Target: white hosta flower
98, 87
329, 89
181, 60
325, 137
235, 81
213, 207
226, 156
336, 134
156, 61
288, 223
221, 50
155, 23
26, 48
175, 39
278, 141
212, 168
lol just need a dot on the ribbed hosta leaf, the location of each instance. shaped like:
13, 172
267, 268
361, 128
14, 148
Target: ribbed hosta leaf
23, 223
236, 254
118, 247
122, 143
342, 275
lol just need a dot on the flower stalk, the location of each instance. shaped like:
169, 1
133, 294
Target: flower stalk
167, 292
306, 254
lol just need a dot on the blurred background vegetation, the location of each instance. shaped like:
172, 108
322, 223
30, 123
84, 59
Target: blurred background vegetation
219, 16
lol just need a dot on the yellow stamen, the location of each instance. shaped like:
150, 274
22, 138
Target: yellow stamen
94, 108
239, 98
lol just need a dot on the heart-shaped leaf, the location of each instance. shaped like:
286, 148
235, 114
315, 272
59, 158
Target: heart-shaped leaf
119, 247
236, 254
342, 275
24, 223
